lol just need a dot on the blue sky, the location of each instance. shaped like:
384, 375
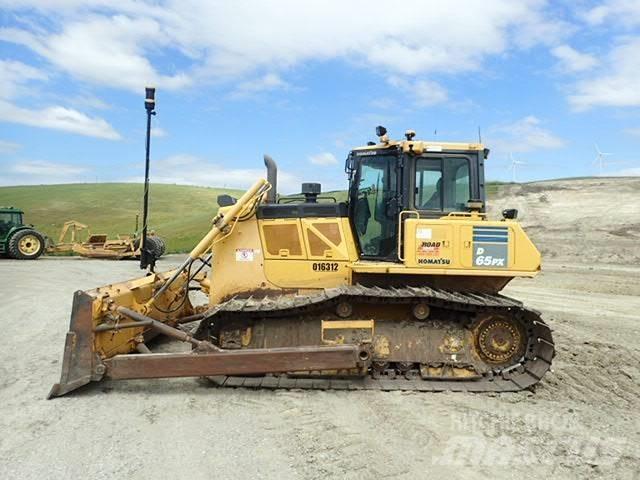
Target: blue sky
305, 81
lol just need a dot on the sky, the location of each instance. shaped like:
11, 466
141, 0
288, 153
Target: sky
305, 81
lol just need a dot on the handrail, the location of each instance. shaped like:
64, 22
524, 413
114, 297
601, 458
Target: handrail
400, 215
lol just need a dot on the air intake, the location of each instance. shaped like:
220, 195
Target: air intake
311, 192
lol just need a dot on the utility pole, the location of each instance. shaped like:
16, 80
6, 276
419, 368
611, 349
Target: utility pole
146, 258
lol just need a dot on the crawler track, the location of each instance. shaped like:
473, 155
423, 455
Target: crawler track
522, 373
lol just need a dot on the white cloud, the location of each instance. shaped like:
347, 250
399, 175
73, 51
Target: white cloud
9, 147
573, 60
14, 78
49, 169
616, 84
45, 5
104, 51
282, 34
58, 118
424, 93
37, 172
267, 82
158, 132
323, 159
538, 30
90, 101
624, 12
111, 43
186, 169
524, 135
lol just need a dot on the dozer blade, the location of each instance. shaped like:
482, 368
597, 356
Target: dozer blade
77, 360
97, 330
110, 325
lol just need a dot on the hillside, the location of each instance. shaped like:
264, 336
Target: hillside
586, 220
180, 214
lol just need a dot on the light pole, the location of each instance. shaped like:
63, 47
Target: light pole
147, 259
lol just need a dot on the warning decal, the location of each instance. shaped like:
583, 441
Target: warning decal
244, 255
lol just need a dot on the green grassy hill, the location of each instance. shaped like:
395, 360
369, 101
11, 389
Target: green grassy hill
180, 214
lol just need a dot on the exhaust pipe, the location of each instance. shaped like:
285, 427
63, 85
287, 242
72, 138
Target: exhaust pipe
272, 178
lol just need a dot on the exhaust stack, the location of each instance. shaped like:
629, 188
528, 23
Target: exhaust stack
272, 178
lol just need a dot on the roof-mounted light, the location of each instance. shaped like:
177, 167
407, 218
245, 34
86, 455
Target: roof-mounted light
381, 132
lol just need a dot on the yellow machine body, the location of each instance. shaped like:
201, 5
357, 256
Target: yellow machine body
315, 253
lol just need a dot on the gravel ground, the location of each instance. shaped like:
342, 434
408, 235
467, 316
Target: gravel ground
581, 422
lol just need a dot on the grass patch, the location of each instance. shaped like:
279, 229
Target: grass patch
180, 214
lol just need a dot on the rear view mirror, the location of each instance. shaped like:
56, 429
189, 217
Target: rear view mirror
510, 214
380, 131
226, 200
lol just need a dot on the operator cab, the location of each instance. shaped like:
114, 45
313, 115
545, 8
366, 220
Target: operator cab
9, 218
425, 179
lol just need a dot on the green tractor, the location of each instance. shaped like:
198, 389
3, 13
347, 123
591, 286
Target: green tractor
18, 240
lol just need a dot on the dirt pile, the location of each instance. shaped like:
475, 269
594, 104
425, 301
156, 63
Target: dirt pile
578, 220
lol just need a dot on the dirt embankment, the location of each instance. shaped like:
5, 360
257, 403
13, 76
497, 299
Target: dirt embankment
594, 220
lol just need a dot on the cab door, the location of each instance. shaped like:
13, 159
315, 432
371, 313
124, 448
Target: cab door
375, 206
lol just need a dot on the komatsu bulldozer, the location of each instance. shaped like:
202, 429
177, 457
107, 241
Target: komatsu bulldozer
396, 288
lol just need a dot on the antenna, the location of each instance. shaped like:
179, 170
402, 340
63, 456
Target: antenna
513, 166
480, 135
599, 160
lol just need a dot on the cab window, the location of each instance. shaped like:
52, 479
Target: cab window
375, 222
442, 183
9, 220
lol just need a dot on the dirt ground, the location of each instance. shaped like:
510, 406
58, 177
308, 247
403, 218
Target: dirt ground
581, 422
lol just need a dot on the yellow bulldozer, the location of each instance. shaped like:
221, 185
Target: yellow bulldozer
395, 289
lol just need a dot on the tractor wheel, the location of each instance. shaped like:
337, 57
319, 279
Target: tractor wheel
155, 246
26, 245
163, 246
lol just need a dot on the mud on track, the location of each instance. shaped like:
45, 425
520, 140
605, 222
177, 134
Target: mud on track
581, 422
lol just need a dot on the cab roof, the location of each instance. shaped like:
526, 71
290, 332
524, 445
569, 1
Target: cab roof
423, 146
10, 210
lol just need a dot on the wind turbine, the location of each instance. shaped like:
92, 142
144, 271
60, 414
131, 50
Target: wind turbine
599, 160
514, 166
